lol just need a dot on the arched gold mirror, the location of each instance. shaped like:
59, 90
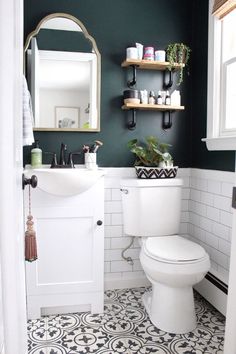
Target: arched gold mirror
63, 69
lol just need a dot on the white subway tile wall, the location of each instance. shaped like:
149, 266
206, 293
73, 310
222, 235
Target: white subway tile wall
206, 218
210, 216
115, 267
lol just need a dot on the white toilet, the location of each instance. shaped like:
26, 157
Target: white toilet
173, 264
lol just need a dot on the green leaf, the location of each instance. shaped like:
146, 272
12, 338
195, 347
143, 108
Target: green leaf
164, 147
158, 152
151, 153
131, 143
151, 140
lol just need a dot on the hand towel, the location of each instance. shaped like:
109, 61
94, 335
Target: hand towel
28, 135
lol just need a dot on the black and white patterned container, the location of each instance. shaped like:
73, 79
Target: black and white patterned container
156, 172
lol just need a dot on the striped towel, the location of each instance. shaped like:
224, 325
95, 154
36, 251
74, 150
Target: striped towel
28, 136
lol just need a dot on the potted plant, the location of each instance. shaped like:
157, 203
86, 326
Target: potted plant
178, 53
153, 159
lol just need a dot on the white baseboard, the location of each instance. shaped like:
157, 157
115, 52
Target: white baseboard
111, 284
211, 293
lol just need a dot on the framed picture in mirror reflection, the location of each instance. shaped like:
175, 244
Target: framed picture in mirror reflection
67, 117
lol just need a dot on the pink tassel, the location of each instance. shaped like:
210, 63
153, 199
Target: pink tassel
30, 241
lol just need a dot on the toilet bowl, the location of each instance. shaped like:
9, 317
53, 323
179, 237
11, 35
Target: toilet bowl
172, 263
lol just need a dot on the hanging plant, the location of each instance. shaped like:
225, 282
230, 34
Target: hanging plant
178, 53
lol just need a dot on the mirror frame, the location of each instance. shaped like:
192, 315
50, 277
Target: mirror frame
94, 50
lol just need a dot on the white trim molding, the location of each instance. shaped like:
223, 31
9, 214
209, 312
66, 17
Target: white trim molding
220, 143
211, 293
230, 329
213, 140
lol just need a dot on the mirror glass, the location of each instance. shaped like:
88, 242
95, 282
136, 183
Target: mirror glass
62, 67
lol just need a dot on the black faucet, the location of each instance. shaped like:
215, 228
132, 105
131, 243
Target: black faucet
62, 160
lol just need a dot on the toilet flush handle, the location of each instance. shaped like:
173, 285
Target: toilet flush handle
124, 190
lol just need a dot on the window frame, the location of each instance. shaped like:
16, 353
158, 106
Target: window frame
223, 130
214, 139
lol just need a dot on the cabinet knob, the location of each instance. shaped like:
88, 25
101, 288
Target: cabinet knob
33, 181
99, 222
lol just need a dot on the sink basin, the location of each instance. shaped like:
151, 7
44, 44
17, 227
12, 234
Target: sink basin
65, 182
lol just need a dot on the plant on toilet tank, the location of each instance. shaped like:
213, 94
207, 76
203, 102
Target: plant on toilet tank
153, 159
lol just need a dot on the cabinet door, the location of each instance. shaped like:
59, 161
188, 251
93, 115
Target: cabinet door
70, 244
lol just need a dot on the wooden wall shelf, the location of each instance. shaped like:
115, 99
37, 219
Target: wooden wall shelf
150, 65
152, 107
166, 109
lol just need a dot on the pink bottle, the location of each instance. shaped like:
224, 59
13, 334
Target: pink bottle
148, 53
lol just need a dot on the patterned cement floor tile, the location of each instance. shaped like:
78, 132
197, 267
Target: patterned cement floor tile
125, 328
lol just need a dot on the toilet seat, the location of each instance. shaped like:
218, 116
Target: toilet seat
173, 249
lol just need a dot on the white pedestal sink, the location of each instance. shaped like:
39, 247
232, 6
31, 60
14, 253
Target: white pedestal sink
64, 182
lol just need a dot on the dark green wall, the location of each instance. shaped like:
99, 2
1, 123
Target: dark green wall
116, 25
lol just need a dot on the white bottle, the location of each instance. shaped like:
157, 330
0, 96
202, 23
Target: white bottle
151, 98
175, 98
159, 98
167, 100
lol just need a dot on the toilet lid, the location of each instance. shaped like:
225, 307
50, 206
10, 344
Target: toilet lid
173, 249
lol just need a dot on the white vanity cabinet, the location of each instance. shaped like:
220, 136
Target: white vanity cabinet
68, 275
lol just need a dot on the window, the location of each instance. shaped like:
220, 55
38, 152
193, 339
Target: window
221, 115
228, 64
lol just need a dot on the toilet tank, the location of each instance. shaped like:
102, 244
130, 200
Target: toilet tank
151, 207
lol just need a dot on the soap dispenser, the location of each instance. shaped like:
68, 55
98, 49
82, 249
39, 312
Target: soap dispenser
36, 156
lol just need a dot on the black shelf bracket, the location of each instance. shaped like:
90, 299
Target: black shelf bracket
166, 119
167, 123
168, 84
132, 82
132, 124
